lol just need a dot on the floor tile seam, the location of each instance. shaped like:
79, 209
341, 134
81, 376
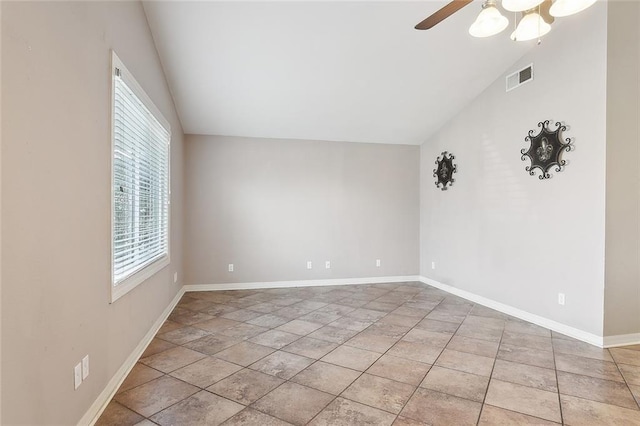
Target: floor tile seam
600, 402
555, 368
636, 400
168, 406
583, 357
518, 412
486, 392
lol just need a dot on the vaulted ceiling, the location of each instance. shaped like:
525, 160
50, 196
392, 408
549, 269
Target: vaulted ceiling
339, 71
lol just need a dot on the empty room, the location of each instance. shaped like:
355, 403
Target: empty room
320, 212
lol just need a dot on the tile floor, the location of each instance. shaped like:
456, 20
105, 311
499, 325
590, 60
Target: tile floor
401, 354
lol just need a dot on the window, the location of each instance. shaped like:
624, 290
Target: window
140, 184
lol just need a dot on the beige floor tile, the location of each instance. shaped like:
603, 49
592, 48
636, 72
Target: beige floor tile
350, 357
526, 375
349, 323
389, 330
343, 412
320, 317
469, 363
172, 359
588, 367
479, 332
527, 341
486, 322
333, 334
217, 309
437, 326
473, 346
574, 347
457, 383
526, 356
264, 307
169, 326
526, 328
145, 422
626, 356
399, 369
244, 353
211, 344
241, 315
203, 408
411, 312
326, 377
607, 391
183, 335
337, 309
139, 375
495, 416
483, 311
205, 372
187, 317
243, 331
216, 325
118, 415
579, 412
417, 335
245, 386
439, 409
366, 314
406, 421
311, 348
631, 373
269, 320
381, 306
401, 320
291, 312
156, 346
635, 390
274, 339
249, 416
416, 351
282, 364
300, 327
523, 399
379, 392
372, 342
155, 395
293, 403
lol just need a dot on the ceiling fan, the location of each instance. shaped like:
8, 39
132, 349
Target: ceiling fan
537, 16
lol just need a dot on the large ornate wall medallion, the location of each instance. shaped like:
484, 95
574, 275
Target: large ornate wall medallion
545, 149
444, 172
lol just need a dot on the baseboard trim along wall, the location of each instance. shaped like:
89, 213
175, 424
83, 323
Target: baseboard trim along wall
519, 313
621, 340
99, 405
300, 283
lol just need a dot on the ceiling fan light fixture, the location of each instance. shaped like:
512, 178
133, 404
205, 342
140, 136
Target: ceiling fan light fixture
520, 5
531, 26
489, 22
561, 8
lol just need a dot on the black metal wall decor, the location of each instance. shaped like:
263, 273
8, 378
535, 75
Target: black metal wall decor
446, 169
545, 149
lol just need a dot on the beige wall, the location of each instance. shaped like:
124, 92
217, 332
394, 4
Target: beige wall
508, 236
622, 289
56, 204
268, 206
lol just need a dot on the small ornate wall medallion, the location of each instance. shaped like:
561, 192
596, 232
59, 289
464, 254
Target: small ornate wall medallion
444, 172
545, 150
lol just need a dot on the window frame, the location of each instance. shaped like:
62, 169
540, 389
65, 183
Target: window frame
117, 290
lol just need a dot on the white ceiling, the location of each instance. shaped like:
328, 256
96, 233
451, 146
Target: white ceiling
339, 71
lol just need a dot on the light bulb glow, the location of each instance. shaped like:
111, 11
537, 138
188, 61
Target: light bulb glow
562, 8
520, 5
489, 22
531, 26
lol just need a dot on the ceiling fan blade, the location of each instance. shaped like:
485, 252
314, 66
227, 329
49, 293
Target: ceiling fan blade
442, 14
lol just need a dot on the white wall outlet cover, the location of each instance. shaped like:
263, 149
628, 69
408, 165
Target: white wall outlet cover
175, 277
327, 264
377, 262
77, 376
561, 298
433, 265
85, 367
231, 267
309, 265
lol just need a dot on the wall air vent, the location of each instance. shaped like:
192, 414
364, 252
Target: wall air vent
520, 77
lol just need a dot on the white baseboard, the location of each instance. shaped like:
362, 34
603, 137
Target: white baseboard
300, 283
98, 406
519, 313
621, 340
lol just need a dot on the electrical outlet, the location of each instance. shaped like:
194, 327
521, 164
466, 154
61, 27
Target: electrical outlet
175, 277
327, 264
561, 299
85, 367
309, 265
433, 265
77, 376
377, 263
231, 267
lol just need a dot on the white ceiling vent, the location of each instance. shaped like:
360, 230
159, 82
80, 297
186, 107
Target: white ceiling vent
520, 77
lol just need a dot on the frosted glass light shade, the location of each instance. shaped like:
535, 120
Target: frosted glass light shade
561, 8
531, 26
520, 5
489, 22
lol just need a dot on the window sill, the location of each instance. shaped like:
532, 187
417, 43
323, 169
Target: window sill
124, 287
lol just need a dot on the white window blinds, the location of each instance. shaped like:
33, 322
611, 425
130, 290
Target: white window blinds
140, 181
